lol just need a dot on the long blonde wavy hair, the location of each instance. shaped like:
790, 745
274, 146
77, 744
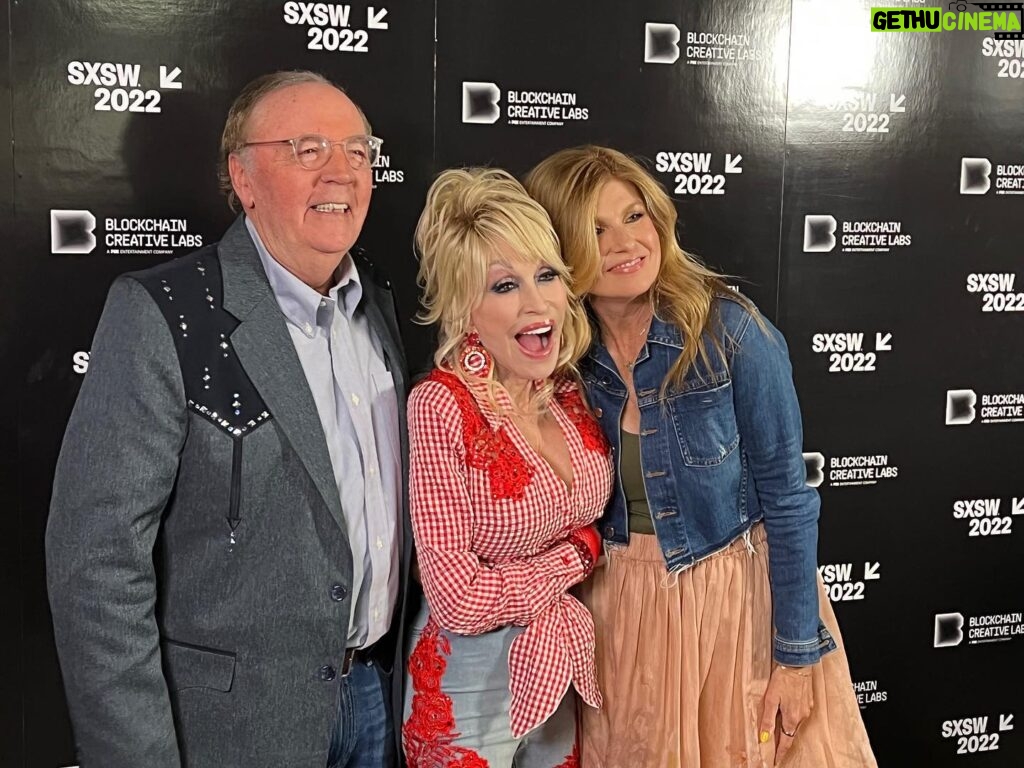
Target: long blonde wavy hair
470, 213
567, 184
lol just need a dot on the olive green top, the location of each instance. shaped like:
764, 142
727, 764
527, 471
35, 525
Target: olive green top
632, 475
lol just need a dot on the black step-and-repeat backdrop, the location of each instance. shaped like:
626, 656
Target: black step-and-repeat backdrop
866, 187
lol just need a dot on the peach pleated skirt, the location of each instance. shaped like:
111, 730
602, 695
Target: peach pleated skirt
683, 661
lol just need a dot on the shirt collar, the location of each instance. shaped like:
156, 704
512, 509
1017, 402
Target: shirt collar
496, 416
301, 305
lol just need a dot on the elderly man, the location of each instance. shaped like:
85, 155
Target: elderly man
226, 551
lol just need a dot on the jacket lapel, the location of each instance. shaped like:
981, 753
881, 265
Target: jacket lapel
268, 356
380, 312
379, 306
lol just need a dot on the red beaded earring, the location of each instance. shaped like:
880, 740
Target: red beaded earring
474, 359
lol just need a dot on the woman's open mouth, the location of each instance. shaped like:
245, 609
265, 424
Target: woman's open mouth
537, 340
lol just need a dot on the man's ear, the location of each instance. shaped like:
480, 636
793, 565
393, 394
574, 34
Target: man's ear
241, 181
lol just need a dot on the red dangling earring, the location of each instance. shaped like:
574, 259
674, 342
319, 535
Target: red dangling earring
474, 359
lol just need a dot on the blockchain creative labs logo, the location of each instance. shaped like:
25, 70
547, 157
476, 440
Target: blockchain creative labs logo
839, 471
481, 104
385, 172
664, 44
72, 231
661, 43
952, 628
822, 232
1004, 19
868, 692
949, 630
963, 406
976, 177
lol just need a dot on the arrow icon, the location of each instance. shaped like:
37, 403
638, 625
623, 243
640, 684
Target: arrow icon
871, 571
1018, 506
373, 19
896, 104
1006, 722
732, 163
883, 342
169, 79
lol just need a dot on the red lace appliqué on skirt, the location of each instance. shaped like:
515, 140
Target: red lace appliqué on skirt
430, 730
573, 760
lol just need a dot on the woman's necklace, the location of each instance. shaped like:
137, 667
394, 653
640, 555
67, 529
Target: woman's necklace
636, 341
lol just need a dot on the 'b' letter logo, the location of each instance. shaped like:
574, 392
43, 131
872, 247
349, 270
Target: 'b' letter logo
661, 43
960, 406
71, 231
480, 103
949, 629
819, 233
814, 463
974, 175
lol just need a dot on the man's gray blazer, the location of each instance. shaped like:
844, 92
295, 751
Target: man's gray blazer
198, 566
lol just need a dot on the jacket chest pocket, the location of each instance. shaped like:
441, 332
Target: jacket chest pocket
705, 423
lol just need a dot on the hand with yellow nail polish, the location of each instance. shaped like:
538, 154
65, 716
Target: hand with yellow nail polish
787, 703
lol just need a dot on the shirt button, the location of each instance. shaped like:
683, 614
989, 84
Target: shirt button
373, 471
598, 412
338, 593
376, 614
327, 673
380, 543
609, 531
308, 329
323, 303
355, 399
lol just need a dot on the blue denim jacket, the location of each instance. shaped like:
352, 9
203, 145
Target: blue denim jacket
719, 454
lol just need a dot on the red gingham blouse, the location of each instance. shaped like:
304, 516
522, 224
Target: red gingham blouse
490, 519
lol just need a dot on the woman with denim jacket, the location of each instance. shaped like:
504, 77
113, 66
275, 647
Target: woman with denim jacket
716, 645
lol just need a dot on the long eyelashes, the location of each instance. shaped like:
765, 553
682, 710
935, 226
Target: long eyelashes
506, 285
630, 219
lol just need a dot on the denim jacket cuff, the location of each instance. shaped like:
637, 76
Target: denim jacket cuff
799, 653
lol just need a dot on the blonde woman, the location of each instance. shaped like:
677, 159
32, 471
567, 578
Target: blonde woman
715, 644
508, 472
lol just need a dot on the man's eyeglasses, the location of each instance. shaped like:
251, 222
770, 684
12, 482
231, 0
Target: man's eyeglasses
312, 151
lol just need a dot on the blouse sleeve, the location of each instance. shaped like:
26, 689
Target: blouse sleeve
465, 594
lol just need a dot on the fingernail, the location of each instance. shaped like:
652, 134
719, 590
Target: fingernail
765, 737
